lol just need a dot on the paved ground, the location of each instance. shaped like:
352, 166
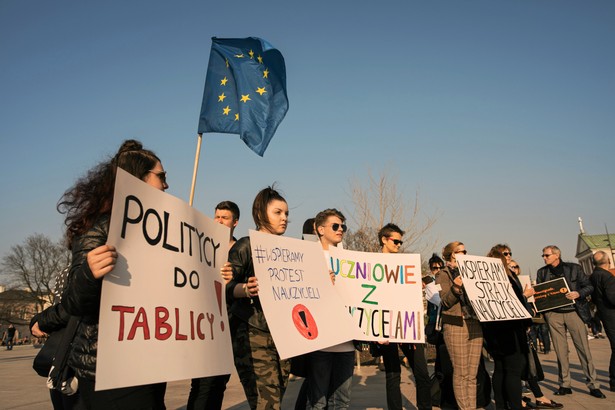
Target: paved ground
22, 388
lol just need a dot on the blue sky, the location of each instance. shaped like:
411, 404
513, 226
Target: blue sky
499, 112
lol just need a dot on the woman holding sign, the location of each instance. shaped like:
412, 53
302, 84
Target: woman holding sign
262, 373
462, 332
506, 342
87, 206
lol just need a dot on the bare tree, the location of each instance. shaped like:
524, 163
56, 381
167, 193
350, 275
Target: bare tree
377, 201
33, 266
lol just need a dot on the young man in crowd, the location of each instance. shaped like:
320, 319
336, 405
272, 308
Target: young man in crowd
390, 238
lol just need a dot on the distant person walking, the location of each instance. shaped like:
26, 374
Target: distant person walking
9, 335
604, 298
571, 318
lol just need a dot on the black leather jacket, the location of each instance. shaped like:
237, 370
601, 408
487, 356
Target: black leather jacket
82, 298
53, 318
247, 309
577, 281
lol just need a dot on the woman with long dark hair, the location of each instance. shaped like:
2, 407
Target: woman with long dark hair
87, 205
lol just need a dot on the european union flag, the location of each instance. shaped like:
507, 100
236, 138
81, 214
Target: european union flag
245, 91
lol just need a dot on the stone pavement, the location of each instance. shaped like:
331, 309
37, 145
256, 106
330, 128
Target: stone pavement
22, 388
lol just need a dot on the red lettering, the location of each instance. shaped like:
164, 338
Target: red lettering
122, 310
191, 325
178, 336
163, 329
199, 330
210, 319
140, 322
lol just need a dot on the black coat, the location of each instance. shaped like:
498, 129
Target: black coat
604, 295
82, 298
577, 281
505, 337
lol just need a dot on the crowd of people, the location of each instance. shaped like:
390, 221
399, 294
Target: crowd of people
462, 341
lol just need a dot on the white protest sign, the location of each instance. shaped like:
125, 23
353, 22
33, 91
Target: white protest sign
163, 310
489, 290
303, 311
383, 291
526, 281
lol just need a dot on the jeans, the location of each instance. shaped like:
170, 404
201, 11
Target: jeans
330, 376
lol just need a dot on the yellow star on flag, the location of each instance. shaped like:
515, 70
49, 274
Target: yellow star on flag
224, 81
261, 90
266, 73
237, 117
251, 54
221, 97
226, 110
245, 98
260, 59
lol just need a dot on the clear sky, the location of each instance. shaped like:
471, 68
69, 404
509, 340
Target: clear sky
502, 113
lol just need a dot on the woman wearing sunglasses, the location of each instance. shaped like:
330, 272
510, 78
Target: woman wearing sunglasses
506, 342
263, 375
461, 329
87, 206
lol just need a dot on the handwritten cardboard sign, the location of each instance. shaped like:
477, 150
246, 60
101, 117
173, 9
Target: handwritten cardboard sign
551, 295
489, 290
302, 308
163, 310
383, 292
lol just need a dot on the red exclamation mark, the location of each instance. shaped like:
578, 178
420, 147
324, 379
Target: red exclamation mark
218, 286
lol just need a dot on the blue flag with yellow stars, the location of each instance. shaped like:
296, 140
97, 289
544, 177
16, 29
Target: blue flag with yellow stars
245, 91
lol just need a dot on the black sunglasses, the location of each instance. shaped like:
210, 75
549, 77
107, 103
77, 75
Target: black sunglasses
463, 251
507, 253
514, 267
434, 268
336, 226
396, 241
162, 175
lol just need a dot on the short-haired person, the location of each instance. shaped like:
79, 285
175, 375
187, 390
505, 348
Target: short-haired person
263, 375
462, 331
207, 393
571, 318
604, 298
390, 238
87, 205
330, 371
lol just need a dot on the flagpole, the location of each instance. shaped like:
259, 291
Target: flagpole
196, 167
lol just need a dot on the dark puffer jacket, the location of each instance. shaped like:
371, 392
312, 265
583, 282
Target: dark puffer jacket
82, 298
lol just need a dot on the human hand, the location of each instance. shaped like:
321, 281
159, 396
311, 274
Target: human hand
227, 272
252, 287
457, 281
573, 295
102, 260
332, 276
36, 331
528, 291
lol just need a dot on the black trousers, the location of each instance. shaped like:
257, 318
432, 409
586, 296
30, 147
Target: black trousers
207, 393
147, 397
415, 353
506, 379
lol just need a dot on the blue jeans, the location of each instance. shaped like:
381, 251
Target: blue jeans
330, 380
